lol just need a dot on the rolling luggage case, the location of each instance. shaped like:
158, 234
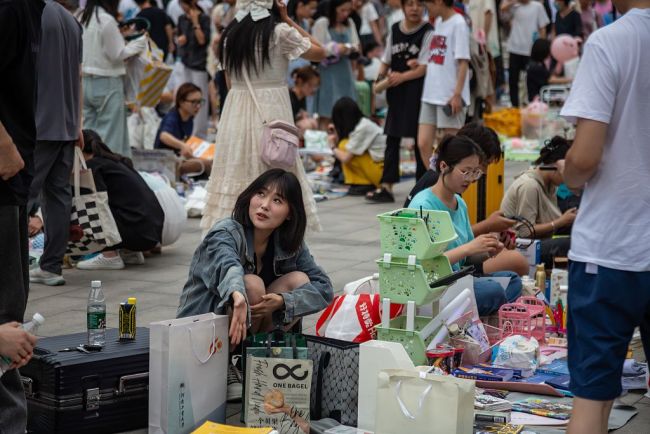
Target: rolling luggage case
98, 392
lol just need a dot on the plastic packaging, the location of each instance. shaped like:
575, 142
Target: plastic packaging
31, 327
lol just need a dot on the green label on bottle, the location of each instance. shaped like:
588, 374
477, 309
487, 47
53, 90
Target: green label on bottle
96, 320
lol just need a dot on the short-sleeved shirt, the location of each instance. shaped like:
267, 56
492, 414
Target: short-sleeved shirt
612, 87
571, 24
174, 125
476, 9
527, 19
20, 28
529, 198
459, 217
194, 55
59, 64
441, 51
158, 19
368, 15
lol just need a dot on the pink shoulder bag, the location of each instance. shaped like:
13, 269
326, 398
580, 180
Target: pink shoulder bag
279, 141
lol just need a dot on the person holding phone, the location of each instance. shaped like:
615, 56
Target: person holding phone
446, 83
533, 196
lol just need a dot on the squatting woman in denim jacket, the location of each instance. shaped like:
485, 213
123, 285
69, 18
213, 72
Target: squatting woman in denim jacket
257, 262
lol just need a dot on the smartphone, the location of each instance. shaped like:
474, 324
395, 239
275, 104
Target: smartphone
447, 110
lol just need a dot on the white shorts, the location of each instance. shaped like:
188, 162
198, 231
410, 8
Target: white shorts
432, 114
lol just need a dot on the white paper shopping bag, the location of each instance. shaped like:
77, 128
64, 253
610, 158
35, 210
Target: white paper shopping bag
188, 367
415, 402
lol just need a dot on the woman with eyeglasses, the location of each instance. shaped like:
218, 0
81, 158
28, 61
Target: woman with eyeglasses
176, 127
533, 196
460, 163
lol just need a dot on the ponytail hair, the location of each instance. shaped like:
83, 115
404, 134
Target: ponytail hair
553, 150
94, 145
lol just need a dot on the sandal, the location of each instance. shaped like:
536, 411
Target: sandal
380, 196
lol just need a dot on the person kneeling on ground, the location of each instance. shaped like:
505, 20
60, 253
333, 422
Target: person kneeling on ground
176, 127
533, 197
257, 263
135, 208
460, 162
359, 144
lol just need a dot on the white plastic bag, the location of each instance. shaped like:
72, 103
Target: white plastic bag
366, 285
143, 126
518, 352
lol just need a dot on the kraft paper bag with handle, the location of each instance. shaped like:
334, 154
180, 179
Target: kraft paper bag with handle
409, 401
188, 366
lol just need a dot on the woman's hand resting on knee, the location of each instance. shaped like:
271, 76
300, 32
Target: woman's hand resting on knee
269, 304
238, 324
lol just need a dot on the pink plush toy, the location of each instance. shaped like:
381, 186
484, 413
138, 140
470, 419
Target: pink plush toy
565, 48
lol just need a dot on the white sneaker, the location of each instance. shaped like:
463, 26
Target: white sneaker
235, 388
37, 275
132, 258
101, 262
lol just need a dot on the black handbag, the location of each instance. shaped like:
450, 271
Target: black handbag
335, 382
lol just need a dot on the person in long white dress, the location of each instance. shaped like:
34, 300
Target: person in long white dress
260, 42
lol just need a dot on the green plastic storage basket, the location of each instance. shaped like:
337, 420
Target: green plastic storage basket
404, 280
413, 343
406, 232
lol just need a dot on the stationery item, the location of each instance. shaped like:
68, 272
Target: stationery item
217, 428
483, 374
491, 416
201, 148
491, 403
543, 407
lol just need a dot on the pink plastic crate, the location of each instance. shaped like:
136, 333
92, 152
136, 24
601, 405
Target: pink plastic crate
525, 317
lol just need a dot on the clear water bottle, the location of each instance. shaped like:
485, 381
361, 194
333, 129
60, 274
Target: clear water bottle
31, 327
96, 315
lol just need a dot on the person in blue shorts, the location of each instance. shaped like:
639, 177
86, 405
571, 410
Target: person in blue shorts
459, 163
609, 274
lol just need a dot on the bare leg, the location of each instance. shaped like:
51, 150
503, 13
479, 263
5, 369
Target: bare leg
589, 417
426, 139
507, 260
286, 283
254, 290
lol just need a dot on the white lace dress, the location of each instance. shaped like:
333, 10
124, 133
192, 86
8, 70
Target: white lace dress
237, 159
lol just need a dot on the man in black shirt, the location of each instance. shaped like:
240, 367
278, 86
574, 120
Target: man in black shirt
20, 26
161, 27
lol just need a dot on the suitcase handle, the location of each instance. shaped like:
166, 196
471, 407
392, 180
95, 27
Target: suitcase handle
28, 385
122, 388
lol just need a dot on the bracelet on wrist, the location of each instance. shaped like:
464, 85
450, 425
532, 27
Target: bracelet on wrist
553, 225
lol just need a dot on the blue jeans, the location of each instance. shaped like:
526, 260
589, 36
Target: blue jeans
490, 295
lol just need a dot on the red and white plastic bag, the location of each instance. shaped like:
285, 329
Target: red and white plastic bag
353, 317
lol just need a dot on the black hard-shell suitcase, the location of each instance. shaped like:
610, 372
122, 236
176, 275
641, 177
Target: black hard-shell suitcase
100, 392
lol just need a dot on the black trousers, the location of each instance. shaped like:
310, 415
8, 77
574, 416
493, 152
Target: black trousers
518, 64
392, 160
14, 289
53, 163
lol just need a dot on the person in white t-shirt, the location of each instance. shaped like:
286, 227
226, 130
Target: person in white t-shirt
483, 15
609, 275
528, 21
445, 96
369, 30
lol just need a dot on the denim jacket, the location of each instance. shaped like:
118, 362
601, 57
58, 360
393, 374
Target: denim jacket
223, 258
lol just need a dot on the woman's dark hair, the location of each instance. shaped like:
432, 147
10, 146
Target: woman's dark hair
109, 6
93, 144
183, 91
453, 149
292, 231
245, 44
553, 150
305, 73
403, 2
331, 14
541, 50
485, 138
192, 3
346, 114
292, 6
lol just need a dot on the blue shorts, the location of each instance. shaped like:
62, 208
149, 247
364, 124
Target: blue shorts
605, 306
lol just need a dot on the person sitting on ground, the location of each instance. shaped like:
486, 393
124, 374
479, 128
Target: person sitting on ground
306, 81
533, 197
460, 162
138, 215
537, 73
176, 127
257, 262
359, 144
489, 143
